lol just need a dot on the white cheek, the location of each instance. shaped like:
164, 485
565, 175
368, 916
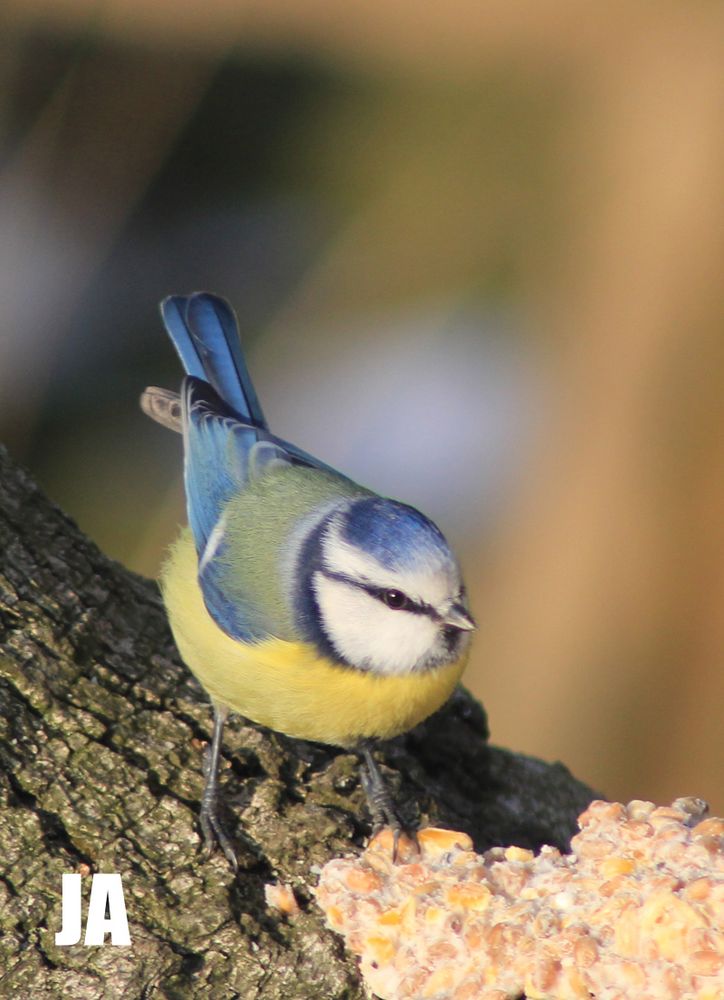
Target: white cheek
368, 633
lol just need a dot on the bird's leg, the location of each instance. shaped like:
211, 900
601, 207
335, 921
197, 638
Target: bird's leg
382, 805
211, 828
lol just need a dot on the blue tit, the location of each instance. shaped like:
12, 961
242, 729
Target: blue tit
298, 598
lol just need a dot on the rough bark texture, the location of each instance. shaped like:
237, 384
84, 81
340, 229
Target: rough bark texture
102, 731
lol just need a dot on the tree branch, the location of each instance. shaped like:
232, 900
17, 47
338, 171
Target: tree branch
102, 731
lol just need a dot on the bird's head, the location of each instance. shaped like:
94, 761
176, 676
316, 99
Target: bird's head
386, 589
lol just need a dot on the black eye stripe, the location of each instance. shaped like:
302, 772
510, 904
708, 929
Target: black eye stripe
381, 593
414, 607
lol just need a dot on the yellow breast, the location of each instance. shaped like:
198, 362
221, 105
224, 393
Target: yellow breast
288, 686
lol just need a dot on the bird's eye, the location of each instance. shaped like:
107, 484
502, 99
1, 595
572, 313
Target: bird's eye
394, 599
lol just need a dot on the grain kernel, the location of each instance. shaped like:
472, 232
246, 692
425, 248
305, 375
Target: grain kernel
712, 827
407, 848
633, 974
381, 949
574, 985
712, 844
699, 889
706, 939
518, 854
709, 992
441, 951
639, 828
473, 938
440, 981
468, 896
435, 915
611, 887
334, 917
600, 810
590, 847
627, 932
281, 897
412, 872
434, 840
425, 888
545, 975
363, 880
585, 952
705, 963
664, 813
472, 991
639, 809
383, 840
617, 866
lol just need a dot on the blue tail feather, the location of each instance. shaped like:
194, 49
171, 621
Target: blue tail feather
205, 334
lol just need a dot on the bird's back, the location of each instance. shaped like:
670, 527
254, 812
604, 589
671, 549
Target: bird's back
265, 526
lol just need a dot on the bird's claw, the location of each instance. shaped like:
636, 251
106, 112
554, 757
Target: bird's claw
382, 807
213, 833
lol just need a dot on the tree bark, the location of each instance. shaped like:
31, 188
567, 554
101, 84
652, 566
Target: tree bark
102, 731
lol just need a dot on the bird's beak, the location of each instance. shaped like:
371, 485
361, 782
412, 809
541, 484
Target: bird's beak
459, 617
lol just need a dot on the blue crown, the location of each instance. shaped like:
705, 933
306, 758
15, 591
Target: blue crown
397, 535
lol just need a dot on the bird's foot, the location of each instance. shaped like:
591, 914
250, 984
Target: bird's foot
212, 830
382, 806
213, 833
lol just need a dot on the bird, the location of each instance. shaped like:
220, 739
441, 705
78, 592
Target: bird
299, 599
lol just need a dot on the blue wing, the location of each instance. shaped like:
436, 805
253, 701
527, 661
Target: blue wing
226, 441
204, 331
221, 454
217, 446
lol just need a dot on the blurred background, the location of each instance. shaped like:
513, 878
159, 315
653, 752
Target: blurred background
476, 251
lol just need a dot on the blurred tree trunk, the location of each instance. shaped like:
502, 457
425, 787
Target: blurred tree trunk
101, 745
